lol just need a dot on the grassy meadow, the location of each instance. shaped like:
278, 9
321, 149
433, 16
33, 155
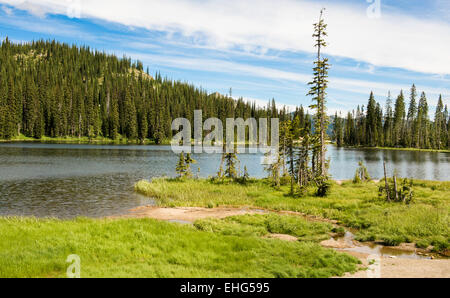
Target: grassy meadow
150, 248
425, 222
266, 224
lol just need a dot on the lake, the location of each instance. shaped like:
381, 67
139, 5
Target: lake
66, 181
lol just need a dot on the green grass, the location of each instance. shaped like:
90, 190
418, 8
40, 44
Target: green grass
263, 225
148, 248
425, 222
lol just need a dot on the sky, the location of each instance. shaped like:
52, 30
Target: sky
262, 49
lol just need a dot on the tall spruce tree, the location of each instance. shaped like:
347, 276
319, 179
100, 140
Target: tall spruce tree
230, 163
439, 125
388, 122
422, 122
371, 122
411, 118
181, 167
399, 120
318, 92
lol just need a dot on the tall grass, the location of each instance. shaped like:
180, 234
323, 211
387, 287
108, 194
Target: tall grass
263, 225
148, 248
425, 222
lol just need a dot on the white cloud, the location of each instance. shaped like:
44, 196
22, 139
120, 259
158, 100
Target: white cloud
48, 27
255, 25
344, 84
222, 66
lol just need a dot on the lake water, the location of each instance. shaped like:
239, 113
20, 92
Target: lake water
65, 181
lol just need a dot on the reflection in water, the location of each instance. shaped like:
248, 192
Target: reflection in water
91, 180
376, 249
411, 164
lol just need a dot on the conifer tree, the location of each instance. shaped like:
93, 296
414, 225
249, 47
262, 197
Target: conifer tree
181, 168
439, 125
388, 122
399, 120
422, 122
411, 119
318, 92
230, 162
188, 162
246, 176
371, 122
130, 116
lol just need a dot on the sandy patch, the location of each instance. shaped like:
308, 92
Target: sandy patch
184, 214
306, 216
404, 268
282, 237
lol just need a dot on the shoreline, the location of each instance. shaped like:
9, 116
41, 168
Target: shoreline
82, 141
396, 149
146, 142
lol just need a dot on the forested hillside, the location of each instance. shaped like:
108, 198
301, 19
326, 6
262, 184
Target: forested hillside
56, 90
397, 125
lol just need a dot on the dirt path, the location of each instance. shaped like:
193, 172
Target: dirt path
401, 268
185, 214
391, 266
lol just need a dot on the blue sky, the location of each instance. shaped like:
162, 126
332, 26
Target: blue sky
261, 49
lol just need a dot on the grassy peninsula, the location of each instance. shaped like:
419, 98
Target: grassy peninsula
424, 222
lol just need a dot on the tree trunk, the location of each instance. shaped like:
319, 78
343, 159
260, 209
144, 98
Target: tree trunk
388, 194
395, 188
322, 141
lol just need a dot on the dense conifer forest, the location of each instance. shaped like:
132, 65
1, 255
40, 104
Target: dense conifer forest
57, 90
398, 125
54, 89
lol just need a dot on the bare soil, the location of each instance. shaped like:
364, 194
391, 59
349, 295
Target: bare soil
184, 214
402, 268
282, 237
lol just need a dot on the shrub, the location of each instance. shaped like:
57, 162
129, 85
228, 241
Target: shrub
392, 194
362, 174
323, 186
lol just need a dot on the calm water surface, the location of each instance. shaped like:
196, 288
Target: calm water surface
65, 181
